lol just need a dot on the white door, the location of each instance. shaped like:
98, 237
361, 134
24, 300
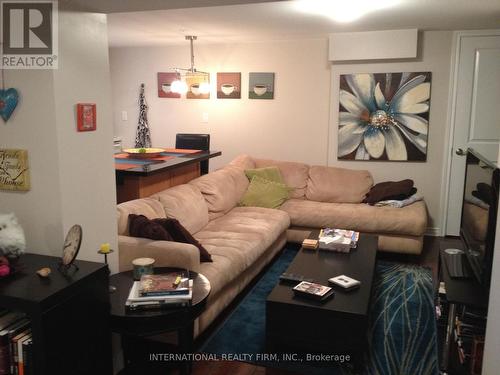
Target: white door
476, 122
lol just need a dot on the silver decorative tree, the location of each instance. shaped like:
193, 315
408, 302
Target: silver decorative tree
143, 136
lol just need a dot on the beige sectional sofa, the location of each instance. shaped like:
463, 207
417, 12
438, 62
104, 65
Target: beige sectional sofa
242, 240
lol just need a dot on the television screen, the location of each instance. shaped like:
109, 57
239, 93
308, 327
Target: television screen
479, 210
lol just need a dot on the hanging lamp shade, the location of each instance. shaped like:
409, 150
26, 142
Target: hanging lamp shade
180, 86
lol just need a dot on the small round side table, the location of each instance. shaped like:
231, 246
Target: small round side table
137, 324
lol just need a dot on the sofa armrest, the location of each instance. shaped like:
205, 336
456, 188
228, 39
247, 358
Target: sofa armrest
166, 253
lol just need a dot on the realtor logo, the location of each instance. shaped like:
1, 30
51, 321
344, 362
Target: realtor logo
29, 35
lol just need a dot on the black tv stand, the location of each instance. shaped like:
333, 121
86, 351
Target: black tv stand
459, 292
457, 264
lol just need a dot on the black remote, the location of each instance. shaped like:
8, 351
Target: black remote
290, 277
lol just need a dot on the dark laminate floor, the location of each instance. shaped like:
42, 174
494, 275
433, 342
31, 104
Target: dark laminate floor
428, 258
234, 368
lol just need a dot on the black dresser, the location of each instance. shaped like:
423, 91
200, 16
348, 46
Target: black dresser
69, 314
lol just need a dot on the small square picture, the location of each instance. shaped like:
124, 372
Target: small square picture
198, 87
228, 85
86, 117
261, 86
164, 82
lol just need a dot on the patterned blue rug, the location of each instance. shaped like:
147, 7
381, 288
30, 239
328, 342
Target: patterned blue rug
402, 332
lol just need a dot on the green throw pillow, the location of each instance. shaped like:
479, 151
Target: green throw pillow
264, 193
269, 173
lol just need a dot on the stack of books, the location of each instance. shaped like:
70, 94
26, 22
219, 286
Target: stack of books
341, 240
174, 289
16, 344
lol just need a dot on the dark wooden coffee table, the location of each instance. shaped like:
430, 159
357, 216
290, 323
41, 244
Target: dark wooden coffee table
137, 326
336, 326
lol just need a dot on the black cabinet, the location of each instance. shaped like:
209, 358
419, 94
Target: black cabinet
69, 314
460, 294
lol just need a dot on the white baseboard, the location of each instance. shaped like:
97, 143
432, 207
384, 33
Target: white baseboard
433, 232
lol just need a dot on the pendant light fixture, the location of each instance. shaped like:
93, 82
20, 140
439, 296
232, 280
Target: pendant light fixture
202, 85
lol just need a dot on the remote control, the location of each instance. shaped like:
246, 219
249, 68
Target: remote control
290, 277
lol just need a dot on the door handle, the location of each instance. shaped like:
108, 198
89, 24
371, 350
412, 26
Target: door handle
460, 152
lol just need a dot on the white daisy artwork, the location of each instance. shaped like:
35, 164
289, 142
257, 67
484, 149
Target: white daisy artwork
384, 116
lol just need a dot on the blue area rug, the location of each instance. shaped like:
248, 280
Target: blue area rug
402, 332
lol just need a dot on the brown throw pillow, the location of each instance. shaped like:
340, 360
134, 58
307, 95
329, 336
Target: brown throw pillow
181, 234
390, 190
141, 226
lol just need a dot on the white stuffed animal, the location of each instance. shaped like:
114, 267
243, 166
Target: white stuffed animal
12, 240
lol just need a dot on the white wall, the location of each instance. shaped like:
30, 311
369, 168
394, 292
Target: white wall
72, 173
86, 168
31, 127
297, 124
435, 57
293, 126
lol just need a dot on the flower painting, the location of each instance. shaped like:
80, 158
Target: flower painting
384, 116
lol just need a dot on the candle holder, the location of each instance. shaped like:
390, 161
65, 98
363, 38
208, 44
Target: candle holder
112, 288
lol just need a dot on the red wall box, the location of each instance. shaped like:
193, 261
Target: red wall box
86, 117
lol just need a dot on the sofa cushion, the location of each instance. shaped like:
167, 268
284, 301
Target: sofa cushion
141, 226
222, 189
409, 220
149, 207
186, 204
268, 173
180, 234
237, 239
243, 161
294, 175
264, 193
337, 185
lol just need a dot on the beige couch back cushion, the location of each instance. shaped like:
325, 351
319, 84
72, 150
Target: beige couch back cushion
294, 174
186, 204
337, 185
222, 189
243, 161
149, 207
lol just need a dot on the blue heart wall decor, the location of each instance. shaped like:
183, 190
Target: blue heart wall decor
8, 102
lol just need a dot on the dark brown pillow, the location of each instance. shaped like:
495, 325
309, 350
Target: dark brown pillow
390, 190
141, 226
181, 234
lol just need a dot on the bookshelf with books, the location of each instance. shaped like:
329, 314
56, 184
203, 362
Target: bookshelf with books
55, 325
16, 343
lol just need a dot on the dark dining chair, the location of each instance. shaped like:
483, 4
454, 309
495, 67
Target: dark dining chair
194, 142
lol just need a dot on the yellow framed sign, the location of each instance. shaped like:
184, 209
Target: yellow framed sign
14, 170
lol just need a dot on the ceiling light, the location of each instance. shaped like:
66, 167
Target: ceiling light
343, 11
201, 80
179, 87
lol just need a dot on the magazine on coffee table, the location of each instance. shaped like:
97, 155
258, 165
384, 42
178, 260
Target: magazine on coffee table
313, 290
340, 240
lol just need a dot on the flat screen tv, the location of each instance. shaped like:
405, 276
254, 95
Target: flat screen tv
479, 214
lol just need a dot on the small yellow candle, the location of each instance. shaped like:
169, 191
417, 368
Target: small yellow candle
105, 247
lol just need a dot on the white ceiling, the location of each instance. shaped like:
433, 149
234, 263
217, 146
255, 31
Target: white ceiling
281, 20
116, 6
